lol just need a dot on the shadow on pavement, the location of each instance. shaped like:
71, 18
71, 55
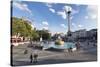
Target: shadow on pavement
49, 61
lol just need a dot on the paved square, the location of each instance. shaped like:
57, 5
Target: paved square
52, 56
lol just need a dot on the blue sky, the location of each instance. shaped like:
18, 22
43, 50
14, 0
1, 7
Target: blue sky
52, 16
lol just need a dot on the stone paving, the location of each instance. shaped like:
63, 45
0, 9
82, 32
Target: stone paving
85, 54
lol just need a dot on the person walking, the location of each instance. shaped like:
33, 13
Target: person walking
70, 49
35, 57
31, 58
26, 51
77, 45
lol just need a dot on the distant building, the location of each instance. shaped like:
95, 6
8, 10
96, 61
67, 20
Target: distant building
92, 34
83, 35
79, 33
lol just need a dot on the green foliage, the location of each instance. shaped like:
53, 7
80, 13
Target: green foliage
44, 34
20, 26
35, 36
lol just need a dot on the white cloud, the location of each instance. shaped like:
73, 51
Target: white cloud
52, 10
92, 8
62, 14
25, 18
86, 17
92, 11
67, 8
49, 5
73, 24
45, 23
46, 28
93, 16
22, 6
63, 25
74, 11
80, 26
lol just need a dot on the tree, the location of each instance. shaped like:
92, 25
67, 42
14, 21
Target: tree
35, 35
20, 26
23, 27
44, 34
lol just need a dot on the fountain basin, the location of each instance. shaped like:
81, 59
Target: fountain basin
66, 45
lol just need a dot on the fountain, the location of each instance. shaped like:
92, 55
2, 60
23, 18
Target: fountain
59, 43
